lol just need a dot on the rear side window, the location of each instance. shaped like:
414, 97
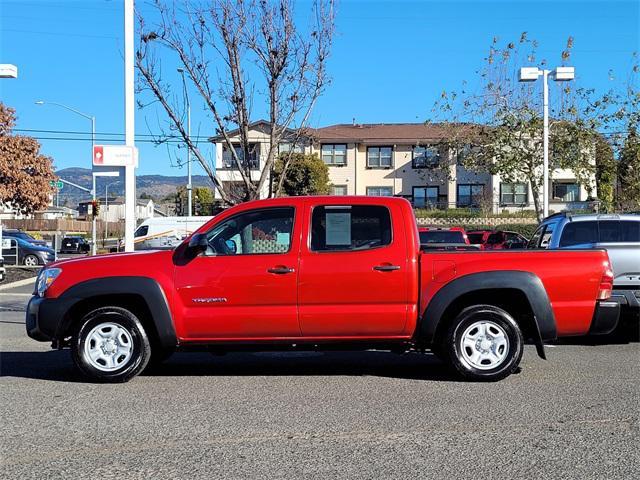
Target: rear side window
354, 227
579, 233
495, 238
542, 237
629, 231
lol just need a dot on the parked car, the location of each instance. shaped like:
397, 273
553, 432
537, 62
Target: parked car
165, 232
74, 245
17, 251
618, 234
15, 233
3, 271
497, 239
437, 238
315, 273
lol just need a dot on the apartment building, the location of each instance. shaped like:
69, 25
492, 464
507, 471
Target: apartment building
398, 159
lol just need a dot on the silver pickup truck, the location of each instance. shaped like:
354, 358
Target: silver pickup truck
618, 234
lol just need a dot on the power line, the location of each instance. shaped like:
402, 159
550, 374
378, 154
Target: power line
105, 134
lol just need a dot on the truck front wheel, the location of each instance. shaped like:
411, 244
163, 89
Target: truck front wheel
110, 345
484, 342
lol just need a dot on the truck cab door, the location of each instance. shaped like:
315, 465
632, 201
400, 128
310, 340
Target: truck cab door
353, 273
245, 285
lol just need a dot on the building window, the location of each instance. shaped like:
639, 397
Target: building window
286, 148
425, 197
423, 157
514, 194
470, 195
380, 191
334, 154
379, 157
229, 162
566, 192
338, 190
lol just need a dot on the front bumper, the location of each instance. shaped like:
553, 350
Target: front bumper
45, 317
605, 318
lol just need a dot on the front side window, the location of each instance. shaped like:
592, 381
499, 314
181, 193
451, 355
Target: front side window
514, 194
253, 232
424, 197
350, 228
470, 195
334, 154
566, 192
252, 160
379, 157
141, 231
579, 233
423, 157
380, 191
338, 190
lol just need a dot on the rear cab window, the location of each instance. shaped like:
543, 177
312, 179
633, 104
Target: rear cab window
350, 228
441, 236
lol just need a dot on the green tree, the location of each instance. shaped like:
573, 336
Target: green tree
605, 174
303, 174
202, 199
629, 173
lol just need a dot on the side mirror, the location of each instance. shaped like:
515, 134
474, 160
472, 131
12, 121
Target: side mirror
198, 244
231, 245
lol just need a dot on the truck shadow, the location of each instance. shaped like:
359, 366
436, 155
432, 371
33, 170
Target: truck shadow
57, 365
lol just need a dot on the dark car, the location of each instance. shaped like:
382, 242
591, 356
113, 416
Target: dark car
15, 233
74, 245
497, 239
17, 251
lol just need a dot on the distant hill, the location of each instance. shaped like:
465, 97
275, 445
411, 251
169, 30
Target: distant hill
156, 186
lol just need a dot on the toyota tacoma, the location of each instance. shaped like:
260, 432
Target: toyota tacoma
318, 273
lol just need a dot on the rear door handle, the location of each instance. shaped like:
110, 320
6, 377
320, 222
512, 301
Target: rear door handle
280, 270
386, 268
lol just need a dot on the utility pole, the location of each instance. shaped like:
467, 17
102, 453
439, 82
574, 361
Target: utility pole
129, 126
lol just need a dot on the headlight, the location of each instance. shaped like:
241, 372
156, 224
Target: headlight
45, 279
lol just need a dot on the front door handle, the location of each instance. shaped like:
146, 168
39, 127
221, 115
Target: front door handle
280, 270
386, 268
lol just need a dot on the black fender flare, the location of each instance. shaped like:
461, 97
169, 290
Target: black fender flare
526, 282
147, 288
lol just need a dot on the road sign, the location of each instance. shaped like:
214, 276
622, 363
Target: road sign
115, 155
56, 184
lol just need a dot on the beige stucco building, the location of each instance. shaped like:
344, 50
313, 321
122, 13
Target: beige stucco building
393, 159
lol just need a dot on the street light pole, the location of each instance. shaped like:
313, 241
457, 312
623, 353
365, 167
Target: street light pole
545, 142
93, 142
189, 186
559, 74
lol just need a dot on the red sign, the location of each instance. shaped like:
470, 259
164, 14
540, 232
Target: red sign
98, 155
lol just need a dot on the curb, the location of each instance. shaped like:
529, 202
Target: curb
19, 283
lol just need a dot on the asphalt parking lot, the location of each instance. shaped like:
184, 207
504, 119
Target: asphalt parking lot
317, 415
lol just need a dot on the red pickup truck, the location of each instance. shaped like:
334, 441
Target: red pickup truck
318, 273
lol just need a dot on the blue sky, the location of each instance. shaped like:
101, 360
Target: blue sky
390, 61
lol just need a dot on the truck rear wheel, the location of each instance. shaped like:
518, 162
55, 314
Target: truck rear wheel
110, 345
484, 343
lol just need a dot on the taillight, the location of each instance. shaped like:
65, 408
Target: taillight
606, 282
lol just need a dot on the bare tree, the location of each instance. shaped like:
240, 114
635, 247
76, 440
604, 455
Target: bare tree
237, 54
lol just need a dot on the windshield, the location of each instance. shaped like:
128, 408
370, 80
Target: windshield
441, 236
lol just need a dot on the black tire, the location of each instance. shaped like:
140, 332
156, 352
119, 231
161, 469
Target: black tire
140, 350
511, 353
